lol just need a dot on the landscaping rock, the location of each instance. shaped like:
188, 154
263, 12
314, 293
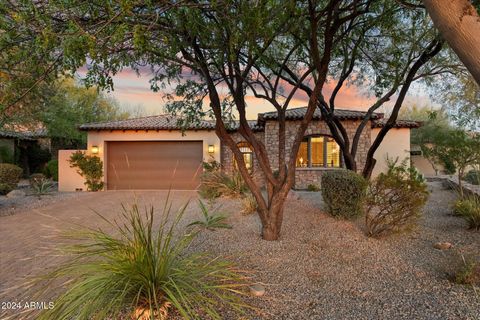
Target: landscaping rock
257, 290
16, 194
442, 245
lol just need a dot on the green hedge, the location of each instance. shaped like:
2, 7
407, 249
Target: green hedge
343, 192
10, 175
51, 170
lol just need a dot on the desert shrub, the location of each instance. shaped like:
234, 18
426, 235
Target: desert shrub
468, 272
211, 165
217, 183
249, 204
10, 175
138, 271
40, 184
473, 177
90, 167
51, 170
210, 221
395, 199
343, 192
469, 209
313, 187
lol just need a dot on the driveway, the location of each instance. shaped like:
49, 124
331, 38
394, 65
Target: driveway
27, 237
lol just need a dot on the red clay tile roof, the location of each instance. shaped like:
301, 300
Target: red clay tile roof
23, 135
398, 124
169, 122
160, 122
299, 113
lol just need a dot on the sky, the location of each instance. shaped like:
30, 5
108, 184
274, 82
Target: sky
133, 93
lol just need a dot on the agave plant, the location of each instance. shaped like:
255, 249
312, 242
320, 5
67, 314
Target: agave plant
42, 187
138, 271
210, 221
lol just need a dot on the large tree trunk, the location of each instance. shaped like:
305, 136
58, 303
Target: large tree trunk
459, 24
271, 229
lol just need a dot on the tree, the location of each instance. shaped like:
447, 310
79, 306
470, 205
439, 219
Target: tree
460, 96
435, 127
459, 23
387, 54
461, 148
70, 105
220, 51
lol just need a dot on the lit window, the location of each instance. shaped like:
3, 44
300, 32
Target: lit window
318, 151
247, 152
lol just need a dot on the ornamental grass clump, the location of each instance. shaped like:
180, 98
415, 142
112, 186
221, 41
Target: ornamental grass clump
469, 209
249, 204
343, 192
140, 270
217, 183
394, 200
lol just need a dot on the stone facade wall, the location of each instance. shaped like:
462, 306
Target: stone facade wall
303, 176
226, 157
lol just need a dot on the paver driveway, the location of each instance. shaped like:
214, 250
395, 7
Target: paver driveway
27, 237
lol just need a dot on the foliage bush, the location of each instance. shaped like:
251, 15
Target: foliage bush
249, 204
51, 170
10, 175
6, 155
313, 187
138, 271
473, 177
217, 183
469, 209
343, 192
210, 221
394, 199
90, 167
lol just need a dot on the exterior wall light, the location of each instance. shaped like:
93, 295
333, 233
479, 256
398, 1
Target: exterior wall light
211, 148
94, 149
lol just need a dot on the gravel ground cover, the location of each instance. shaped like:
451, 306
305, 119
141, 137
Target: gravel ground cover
321, 268
10, 206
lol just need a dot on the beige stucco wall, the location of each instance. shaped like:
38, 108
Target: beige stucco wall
68, 178
101, 139
396, 144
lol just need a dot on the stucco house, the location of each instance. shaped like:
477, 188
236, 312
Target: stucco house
154, 153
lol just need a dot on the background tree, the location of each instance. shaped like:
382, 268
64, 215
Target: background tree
436, 125
460, 147
71, 105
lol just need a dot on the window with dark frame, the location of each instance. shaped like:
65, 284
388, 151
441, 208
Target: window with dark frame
319, 152
247, 152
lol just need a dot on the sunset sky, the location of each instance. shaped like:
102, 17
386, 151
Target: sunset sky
133, 93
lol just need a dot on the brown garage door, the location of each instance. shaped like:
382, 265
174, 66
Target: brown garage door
154, 165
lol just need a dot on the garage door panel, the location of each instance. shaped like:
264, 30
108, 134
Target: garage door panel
154, 165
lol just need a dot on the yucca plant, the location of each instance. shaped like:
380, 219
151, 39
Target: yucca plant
139, 271
210, 221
